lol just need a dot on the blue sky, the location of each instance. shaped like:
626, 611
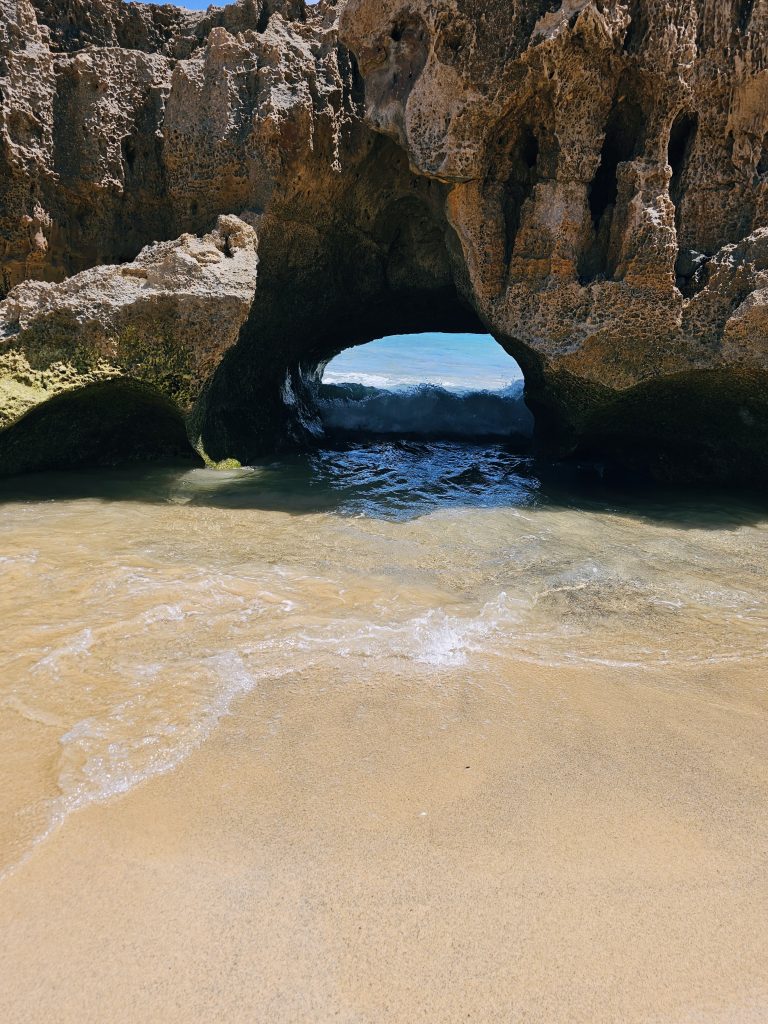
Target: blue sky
200, 5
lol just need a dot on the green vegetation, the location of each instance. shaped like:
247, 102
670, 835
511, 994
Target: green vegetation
151, 353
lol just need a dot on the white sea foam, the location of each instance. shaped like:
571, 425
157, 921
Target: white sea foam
80, 644
164, 613
8, 562
427, 410
371, 380
436, 638
101, 758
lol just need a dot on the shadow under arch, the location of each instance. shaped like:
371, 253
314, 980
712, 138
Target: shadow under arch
102, 424
654, 428
324, 292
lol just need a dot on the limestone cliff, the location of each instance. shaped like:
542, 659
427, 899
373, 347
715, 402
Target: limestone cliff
586, 179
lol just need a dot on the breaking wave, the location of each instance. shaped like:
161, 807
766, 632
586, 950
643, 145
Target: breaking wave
426, 410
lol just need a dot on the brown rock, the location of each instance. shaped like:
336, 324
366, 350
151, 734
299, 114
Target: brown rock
586, 181
163, 321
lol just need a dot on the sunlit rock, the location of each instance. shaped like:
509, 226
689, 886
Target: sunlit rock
588, 183
164, 320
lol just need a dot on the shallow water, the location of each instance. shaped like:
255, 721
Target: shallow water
139, 605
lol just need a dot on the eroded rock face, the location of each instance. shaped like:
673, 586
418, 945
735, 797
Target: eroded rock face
164, 320
604, 160
586, 179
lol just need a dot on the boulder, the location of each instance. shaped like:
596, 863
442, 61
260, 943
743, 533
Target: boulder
164, 320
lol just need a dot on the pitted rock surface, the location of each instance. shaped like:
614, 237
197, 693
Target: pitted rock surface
165, 319
588, 180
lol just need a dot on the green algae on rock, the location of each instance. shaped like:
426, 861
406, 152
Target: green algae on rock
159, 324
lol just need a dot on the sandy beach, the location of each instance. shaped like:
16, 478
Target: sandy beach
593, 850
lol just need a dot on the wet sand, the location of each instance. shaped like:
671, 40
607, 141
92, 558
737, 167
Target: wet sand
558, 845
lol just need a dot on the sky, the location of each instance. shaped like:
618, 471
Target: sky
200, 5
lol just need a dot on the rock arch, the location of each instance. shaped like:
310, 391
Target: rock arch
405, 164
316, 300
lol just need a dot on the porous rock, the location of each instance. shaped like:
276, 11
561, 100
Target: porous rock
164, 319
588, 180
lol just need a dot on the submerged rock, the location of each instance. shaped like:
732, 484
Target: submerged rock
587, 181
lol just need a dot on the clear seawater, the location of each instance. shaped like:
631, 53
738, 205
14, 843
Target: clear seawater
139, 605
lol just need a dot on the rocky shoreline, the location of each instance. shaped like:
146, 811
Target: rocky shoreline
588, 182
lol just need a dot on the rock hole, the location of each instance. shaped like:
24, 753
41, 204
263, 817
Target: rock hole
624, 139
129, 153
637, 29
681, 138
690, 271
605, 187
745, 14
762, 163
530, 150
519, 186
689, 264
